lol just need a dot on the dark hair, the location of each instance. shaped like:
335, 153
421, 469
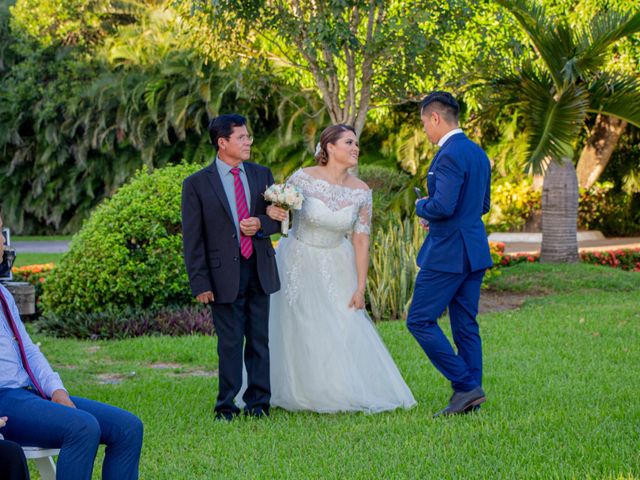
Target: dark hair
331, 135
444, 103
222, 126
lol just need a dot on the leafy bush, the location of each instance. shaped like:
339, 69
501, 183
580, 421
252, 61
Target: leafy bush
389, 188
594, 205
511, 205
599, 208
129, 322
624, 259
129, 252
613, 213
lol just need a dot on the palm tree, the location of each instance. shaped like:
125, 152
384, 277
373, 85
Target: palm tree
555, 94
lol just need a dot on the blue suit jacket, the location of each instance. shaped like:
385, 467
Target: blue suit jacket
458, 182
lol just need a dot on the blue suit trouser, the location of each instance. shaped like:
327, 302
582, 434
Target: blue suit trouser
433, 292
77, 432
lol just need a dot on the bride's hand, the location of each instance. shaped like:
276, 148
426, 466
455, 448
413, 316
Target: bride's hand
357, 300
276, 213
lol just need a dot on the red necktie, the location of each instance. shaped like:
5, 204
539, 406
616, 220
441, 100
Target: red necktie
246, 247
16, 334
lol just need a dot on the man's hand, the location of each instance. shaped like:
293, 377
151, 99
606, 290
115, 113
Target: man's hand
205, 297
276, 213
3, 421
424, 224
249, 226
62, 397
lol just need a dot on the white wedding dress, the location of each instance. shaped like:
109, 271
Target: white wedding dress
326, 357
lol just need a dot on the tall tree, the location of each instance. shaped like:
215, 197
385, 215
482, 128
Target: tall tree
355, 52
555, 95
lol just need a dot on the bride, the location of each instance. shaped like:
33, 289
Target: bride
326, 355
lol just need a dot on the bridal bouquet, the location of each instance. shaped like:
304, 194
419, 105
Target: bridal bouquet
284, 196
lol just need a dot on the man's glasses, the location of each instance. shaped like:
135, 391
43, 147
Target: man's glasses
245, 138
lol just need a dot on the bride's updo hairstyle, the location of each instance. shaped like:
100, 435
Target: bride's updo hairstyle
330, 135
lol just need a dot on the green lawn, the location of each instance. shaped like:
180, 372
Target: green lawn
23, 259
561, 375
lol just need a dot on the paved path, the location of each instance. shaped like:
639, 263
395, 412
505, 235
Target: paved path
57, 246
583, 246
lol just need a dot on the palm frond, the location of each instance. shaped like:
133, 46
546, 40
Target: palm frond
552, 119
616, 95
552, 41
605, 29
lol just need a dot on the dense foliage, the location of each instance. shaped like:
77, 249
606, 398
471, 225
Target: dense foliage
115, 323
129, 252
91, 91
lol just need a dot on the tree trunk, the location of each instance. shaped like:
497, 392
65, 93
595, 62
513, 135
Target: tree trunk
560, 213
598, 149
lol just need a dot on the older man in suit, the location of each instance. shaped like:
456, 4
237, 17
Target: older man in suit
455, 254
231, 262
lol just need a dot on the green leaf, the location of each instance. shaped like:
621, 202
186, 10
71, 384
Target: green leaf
617, 96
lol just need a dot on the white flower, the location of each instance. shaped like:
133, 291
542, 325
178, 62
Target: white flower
285, 196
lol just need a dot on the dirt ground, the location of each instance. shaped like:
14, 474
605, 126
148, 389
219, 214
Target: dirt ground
495, 301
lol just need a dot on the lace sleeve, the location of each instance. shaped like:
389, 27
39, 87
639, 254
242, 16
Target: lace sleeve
363, 222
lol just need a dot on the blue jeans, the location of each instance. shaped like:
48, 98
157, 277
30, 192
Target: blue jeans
77, 432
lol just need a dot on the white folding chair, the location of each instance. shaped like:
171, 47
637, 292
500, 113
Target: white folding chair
44, 460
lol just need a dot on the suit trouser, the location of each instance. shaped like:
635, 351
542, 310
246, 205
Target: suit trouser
433, 292
77, 432
243, 326
13, 464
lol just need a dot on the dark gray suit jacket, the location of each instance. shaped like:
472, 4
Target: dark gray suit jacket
211, 251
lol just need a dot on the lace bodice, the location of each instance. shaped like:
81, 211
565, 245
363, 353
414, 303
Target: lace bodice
329, 212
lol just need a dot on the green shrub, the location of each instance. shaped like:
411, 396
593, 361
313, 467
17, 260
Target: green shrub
624, 258
129, 252
511, 205
613, 213
118, 323
599, 208
389, 188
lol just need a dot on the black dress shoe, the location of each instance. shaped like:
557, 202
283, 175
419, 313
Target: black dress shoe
256, 412
463, 402
224, 416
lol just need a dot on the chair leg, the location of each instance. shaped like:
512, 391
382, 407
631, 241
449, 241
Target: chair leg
46, 467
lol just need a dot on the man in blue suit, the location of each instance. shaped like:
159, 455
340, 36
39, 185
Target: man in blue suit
455, 254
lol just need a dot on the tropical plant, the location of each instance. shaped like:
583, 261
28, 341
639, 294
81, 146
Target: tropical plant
73, 130
555, 95
394, 248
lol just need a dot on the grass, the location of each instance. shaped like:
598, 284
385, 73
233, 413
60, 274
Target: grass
561, 376
23, 259
40, 238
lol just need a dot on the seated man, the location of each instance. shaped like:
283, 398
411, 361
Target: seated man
44, 415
